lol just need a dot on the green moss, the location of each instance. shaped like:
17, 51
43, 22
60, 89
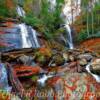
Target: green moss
83, 36
33, 21
3, 12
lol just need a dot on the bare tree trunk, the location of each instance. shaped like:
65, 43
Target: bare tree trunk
87, 24
92, 22
72, 11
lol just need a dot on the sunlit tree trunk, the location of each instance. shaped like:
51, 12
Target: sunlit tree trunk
72, 11
87, 17
85, 7
77, 7
92, 15
92, 4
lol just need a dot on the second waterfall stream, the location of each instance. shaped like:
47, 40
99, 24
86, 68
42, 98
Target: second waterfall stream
28, 34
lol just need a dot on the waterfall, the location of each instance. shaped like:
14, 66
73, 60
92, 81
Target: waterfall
69, 36
28, 34
69, 39
52, 4
20, 11
95, 76
33, 37
69, 18
24, 34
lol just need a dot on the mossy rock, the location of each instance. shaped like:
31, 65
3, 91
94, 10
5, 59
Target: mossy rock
58, 59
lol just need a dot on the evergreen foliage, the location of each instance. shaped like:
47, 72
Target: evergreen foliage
47, 22
91, 20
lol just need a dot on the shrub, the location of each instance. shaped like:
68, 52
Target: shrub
4, 11
82, 36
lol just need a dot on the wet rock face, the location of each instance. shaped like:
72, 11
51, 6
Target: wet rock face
95, 67
26, 60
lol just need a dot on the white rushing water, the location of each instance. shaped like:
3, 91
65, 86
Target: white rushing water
69, 36
34, 33
42, 80
68, 40
52, 4
24, 35
69, 17
94, 75
28, 34
20, 11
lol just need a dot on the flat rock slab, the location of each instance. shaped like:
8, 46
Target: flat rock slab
73, 86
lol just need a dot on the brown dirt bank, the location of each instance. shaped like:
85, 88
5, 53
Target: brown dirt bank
91, 44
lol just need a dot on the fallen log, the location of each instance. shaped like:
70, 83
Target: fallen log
19, 51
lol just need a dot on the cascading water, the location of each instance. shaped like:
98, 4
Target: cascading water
20, 11
24, 35
52, 4
28, 34
69, 17
33, 37
69, 39
94, 75
69, 36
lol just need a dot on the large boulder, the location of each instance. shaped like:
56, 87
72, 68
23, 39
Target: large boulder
95, 66
66, 57
83, 62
